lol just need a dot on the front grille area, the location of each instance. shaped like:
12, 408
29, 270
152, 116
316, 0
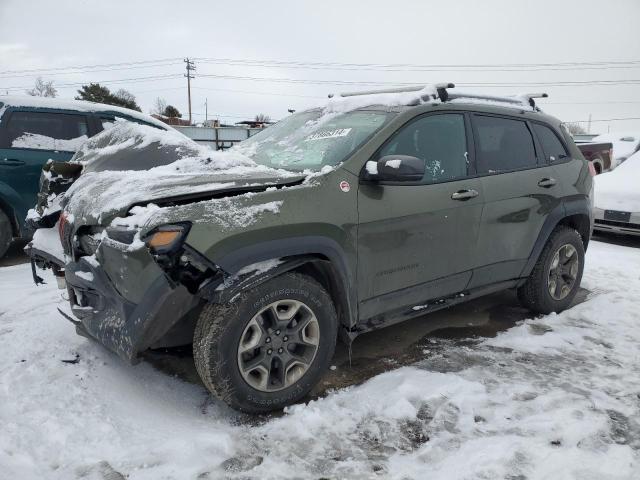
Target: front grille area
612, 223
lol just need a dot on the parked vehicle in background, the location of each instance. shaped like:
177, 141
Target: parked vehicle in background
584, 137
338, 220
617, 199
599, 154
34, 130
624, 144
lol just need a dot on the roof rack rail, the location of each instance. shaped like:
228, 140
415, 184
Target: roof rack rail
442, 93
530, 98
524, 99
416, 88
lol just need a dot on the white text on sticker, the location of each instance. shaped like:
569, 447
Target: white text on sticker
338, 132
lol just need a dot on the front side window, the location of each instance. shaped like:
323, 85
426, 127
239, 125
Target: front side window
440, 140
503, 144
554, 151
45, 131
312, 139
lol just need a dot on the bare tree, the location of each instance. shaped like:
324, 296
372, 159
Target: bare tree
159, 106
576, 128
42, 89
263, 118
124, 95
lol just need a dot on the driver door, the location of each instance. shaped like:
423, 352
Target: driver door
417, 241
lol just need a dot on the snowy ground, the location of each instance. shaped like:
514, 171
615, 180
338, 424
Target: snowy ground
552, 398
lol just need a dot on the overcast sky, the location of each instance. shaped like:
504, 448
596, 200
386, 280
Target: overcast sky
429, 37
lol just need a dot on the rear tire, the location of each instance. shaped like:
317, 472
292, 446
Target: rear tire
269, 346
6, 233
555, 278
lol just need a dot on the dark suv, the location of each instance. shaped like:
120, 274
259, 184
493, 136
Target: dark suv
373, 210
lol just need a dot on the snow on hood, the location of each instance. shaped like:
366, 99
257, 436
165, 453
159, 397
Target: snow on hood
619, 189
99, 196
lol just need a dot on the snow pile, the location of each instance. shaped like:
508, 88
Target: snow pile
556, 397
624, 144
619, 189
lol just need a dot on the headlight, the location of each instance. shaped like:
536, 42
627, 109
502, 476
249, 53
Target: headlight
167, 238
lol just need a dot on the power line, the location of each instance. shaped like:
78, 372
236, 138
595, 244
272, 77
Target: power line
86, 67
424, 68
375, 83
339, 65
258, 93
76, 72
121, 80
605, 120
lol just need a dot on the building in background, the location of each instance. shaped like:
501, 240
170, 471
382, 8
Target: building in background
221, 137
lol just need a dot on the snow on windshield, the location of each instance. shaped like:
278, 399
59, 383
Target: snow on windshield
312, 139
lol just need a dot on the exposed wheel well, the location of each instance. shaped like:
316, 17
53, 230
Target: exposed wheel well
580, 223
326, 274
319, 268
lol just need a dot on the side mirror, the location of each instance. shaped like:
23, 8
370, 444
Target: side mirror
395, 168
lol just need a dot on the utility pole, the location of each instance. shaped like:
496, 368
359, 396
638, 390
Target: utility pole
206, 110
589, 127
190, 67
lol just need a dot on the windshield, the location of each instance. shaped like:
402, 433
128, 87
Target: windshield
312, 139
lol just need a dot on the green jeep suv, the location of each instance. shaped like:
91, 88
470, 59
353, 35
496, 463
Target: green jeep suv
338, 220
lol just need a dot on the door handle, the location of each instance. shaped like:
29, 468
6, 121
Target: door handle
464, 194
547, 182
11, 162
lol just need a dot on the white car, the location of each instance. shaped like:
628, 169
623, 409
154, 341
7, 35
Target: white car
617, 198
624, 144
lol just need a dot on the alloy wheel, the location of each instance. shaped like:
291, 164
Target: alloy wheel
278, 345
563, 271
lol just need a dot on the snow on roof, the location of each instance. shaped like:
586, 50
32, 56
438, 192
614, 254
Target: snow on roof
339, 104
75, 105
428, 94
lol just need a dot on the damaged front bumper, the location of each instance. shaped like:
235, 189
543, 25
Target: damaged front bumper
126, 322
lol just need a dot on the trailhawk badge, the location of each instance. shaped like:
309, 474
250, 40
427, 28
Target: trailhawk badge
344, 186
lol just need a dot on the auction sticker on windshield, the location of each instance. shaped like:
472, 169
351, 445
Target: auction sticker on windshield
338, 132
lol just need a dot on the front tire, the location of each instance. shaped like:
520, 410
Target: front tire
269, 346
555, 278
5, 233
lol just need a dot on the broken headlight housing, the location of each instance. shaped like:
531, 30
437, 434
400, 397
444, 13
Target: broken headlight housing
182, 264
167, 239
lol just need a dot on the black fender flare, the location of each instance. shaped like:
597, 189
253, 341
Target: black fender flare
568, 208
293, 253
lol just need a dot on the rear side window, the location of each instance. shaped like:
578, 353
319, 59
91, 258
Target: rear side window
45, 131
503, 144
554, 151
439, 140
